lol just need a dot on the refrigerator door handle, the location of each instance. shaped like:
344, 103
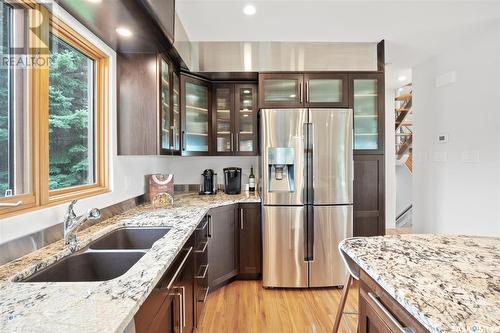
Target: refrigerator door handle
308, 158
309, 233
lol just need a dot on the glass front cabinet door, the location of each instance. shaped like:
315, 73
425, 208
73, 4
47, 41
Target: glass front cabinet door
234, 119
246, 119
195, 118
367, 103
176, 112
326, 90
165, 111
281, 90
223, 119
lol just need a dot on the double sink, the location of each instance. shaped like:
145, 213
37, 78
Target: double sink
104, 259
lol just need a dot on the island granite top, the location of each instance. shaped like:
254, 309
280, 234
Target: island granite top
106, 306
448, 283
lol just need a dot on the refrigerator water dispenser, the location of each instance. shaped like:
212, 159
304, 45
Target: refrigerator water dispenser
281, 174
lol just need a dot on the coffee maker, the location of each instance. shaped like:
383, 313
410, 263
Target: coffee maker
208, 183
232, 180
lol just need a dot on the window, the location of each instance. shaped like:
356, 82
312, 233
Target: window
71, 116
53, 113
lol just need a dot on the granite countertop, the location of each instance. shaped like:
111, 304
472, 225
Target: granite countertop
448, 283
106, 306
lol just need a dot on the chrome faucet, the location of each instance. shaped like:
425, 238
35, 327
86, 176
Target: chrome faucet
72, 223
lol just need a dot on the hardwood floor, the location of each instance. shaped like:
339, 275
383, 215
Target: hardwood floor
246, 307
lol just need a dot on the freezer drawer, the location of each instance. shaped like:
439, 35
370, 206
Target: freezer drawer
331, 225
283, 243
332, 165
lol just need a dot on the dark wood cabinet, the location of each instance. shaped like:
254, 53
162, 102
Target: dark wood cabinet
234, 119
380, 313
295, 90
195, 116
250, 241
202, 267
222, 246
281, 90
367, 99
369, 195
170, 306
148, 105
326, 90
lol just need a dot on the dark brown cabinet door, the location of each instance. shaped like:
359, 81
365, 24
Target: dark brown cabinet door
326, 90
367, 100
250, 241
222, 246
281, 90
369, 195
185, 289
195, 116
245, 116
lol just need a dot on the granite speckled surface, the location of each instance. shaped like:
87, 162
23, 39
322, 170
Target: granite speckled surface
448, 283
106, 306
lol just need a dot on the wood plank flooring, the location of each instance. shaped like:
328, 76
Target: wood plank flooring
246, 307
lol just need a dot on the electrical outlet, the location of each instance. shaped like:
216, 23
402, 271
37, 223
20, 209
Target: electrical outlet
442, 138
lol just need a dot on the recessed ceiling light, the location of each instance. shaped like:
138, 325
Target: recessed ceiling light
402, 78
249, 10
125, 32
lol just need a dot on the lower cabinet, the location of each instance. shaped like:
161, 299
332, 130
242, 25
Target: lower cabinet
250, 241
225, 245
369, 201
222, 245
380, 313
170, 306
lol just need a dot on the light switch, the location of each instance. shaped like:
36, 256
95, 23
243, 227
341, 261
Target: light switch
442, 138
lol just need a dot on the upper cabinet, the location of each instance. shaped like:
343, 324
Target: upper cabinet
148, 105
195, 116
367, 101
303, 90
234, 119
169, 109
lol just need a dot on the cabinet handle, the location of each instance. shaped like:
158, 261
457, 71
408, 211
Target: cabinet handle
209, 217
307, 91
183, 306
389, 315
300, 91
242, 223
204, 248
180, 312
183, 140
206, 295
237, 141
205, 271
177, 272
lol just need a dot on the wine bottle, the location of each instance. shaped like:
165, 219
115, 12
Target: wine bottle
251, 181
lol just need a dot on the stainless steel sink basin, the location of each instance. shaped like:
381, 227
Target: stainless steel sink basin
88, 266
130, 239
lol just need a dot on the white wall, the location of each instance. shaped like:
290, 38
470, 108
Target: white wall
456, 187
404, 184
390, 158
126, 172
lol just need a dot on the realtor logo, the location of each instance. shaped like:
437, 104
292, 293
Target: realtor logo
22, 29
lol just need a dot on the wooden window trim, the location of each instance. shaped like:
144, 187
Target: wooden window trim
38, 81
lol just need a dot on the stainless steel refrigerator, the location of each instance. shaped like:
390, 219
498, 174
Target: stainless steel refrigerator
307, 184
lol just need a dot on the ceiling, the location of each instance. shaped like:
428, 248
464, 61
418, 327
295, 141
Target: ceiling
413, 30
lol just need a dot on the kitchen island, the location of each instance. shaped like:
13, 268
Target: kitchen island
436, 283
104, 306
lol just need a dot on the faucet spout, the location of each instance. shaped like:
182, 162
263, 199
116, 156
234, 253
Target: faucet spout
72, 223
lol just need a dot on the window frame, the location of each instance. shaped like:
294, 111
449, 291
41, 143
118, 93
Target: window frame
38, 113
